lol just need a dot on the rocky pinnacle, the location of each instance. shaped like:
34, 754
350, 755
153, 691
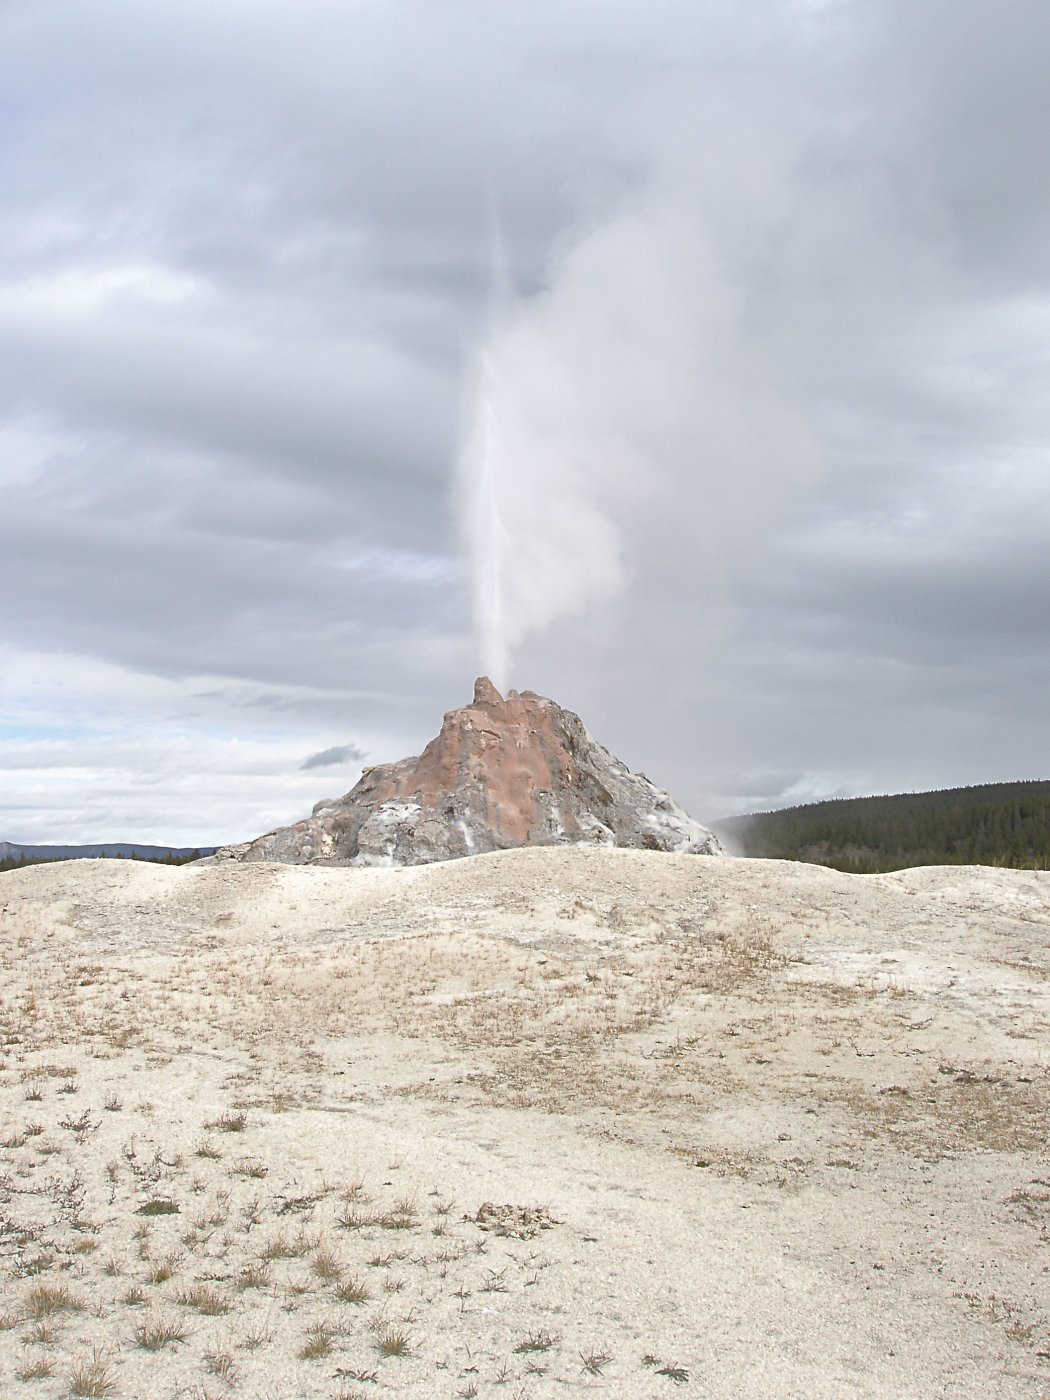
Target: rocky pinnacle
503, 772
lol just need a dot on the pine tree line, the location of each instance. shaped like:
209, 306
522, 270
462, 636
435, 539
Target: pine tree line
995, 824
20, 861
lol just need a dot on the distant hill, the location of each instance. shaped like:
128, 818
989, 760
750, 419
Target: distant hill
993, 824
13, 855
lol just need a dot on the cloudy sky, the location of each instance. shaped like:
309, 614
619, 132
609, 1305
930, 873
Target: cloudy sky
685, 361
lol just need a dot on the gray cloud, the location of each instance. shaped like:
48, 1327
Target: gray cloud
333, 757
777, 309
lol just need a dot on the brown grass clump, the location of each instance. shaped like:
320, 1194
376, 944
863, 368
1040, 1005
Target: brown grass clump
206, 1298
91, 1377
255, 1274
393, 1341
156, 1332
326, 1264
46, 1299
229, 1122
320, 1337
352, 1290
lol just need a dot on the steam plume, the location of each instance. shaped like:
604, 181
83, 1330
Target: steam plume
624, 402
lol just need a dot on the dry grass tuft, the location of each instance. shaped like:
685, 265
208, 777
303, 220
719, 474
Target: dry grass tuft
326, 1264
541, 1340
221, 1363
156, 1332
46, 1299
393, 1341
92, 1378
229, 1122
255, 1274
352, 1290
206, 1298
36, 1368
320, 1337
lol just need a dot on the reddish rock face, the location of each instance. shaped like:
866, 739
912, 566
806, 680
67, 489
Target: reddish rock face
502, 772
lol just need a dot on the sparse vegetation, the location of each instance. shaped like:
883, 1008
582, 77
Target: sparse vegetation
326, 1264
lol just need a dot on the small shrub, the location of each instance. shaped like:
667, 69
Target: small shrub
281, 1247
350, 1218
402, 1216
43, 1333
158, 1205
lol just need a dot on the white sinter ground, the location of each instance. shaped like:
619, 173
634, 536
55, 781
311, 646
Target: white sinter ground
552, 1121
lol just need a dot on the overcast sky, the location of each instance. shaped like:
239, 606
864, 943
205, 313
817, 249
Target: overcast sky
720, 331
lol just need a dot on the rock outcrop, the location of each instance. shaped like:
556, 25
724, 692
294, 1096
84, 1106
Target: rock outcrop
519, 771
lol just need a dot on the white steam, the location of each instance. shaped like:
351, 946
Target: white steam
626, 428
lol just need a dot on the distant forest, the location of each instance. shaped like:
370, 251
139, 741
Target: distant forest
994, 824
25, 858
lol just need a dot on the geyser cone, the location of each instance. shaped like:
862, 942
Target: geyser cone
505, 771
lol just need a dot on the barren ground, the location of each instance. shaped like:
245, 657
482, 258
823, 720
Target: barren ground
534, 1124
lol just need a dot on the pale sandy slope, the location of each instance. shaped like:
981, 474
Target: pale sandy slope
571, 1121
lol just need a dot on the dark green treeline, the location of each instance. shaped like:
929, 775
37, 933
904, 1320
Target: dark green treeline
994, 824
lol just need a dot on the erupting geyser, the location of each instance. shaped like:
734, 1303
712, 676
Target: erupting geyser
540, 473
485, 532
